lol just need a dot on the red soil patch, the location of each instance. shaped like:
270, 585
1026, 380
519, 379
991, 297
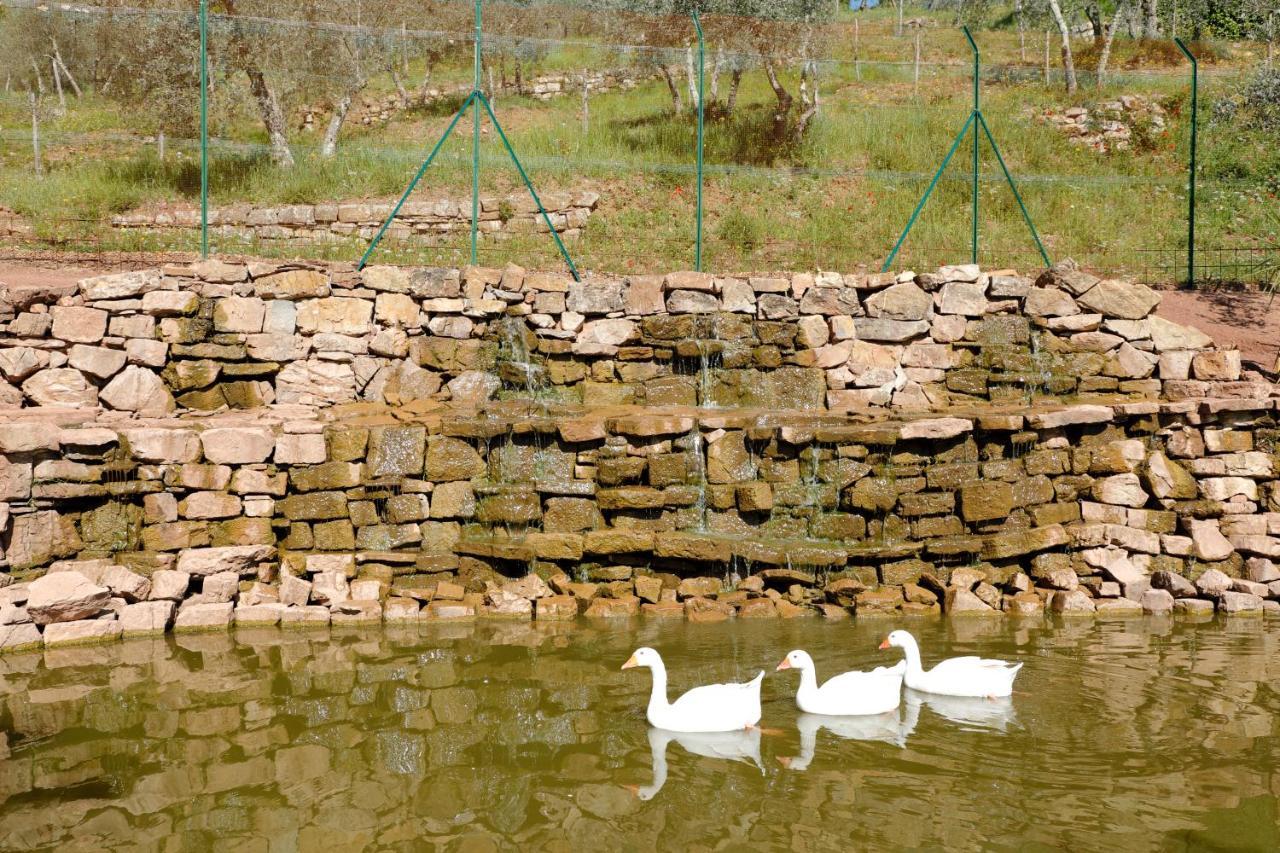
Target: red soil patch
1247, 320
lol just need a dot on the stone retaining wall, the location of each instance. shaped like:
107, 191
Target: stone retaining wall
134, 527
421, 222
216, 334
452, 444
375, 111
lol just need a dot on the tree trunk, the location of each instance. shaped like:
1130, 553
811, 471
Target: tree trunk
1068, 62
401, 92
586, 108
677, 103
691, 73
717, 59
66, 72
35, 133
1094, 14
735, 79
1150, 20
329, 144
785, 101
160, 146
810, 97
272, 117
57, 84
1022, 31
1106, 45
915, 76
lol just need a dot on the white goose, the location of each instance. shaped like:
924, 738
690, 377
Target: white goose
848, 694
967, 676
712, 708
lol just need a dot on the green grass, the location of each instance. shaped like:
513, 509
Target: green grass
837, 200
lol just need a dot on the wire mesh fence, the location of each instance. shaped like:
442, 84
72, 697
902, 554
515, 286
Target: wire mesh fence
823, 127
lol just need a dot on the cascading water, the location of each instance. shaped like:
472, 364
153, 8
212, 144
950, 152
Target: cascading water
698, 476
516, 365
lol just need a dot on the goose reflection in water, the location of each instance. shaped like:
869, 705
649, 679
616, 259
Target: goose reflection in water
742, 745
994, 714
886, 728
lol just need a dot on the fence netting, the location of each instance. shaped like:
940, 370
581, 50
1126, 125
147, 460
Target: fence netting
823, 127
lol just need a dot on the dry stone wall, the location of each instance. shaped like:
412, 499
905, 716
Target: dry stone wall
133, 528
214, 334
457, 444
420, 222
373, 111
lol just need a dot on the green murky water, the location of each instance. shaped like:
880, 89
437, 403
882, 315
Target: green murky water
1142, 735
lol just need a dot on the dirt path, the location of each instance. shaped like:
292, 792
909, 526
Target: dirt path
1246, 320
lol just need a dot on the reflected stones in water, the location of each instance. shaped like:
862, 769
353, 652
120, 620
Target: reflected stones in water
1139, 735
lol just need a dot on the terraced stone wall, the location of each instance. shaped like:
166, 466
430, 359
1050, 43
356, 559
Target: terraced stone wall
137, 526
428, 223
212, 335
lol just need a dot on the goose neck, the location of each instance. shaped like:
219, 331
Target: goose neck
658, 698
912, 652
808, 682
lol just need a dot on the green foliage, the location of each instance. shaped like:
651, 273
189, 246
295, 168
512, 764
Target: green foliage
1255, 107
741, 231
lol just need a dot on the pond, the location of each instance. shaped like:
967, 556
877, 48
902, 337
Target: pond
1137, 735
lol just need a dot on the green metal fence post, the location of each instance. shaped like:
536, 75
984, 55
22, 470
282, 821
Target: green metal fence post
475, 144
973, 255
204, 128
975, 121
1191, 169
697, 23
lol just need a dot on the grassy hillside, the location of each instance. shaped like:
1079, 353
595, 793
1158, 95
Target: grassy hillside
837, 199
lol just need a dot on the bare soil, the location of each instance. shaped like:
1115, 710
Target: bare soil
1248, 320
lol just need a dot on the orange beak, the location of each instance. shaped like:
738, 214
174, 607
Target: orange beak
884, 644
634, 789
631, 661
785, 761
786, 664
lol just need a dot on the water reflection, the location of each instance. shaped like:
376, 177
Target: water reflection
892, 728
971, 713
725, 746
1140, 735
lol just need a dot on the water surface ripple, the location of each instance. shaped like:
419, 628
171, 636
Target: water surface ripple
1136, 735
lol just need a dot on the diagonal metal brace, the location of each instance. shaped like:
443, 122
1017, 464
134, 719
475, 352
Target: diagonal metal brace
1013, 186
422, 170
555, 235
915, 214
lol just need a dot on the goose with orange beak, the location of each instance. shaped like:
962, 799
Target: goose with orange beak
848, 694
964, 676
710, 708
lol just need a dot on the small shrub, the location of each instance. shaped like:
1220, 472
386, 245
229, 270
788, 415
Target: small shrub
740, 230
1256, 107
